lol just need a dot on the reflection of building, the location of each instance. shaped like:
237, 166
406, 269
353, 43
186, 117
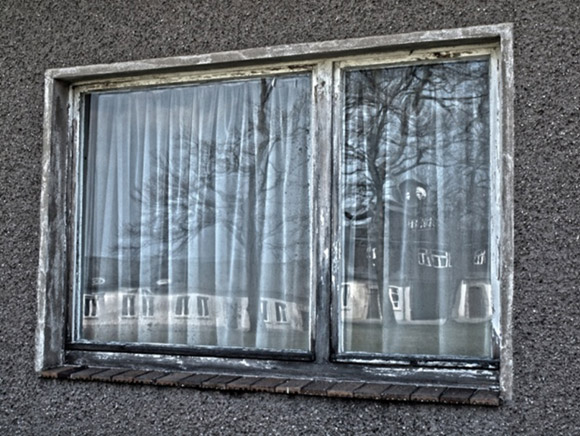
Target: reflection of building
431, 273
361, 302
278, 314
171, 312
473, 301
140, 314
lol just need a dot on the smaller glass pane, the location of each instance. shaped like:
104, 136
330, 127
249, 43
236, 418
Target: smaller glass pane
415, 211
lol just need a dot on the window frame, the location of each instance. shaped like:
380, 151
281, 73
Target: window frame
281, 312
202, 307
128, 307
91, 306
181, 306
59, 210
147, 309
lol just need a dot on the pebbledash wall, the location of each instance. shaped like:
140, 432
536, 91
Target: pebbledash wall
35, 36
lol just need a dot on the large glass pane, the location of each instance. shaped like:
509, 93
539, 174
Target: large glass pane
415, 210
195, 226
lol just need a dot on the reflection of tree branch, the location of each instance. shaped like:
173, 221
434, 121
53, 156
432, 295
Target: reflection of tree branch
418, 163
401, 121
233, 184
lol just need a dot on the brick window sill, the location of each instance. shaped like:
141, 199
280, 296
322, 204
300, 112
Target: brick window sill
302, 386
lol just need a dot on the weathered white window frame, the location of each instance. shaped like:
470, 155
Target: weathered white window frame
60, 182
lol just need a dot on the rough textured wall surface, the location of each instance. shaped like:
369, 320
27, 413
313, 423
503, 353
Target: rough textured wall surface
37, 35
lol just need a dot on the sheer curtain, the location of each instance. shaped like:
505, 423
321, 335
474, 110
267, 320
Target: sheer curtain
415, 207
196, 215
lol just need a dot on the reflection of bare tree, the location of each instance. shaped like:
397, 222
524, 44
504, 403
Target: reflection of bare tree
405, 123
234, 182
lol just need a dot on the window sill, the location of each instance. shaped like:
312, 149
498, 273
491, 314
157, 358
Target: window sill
302, 386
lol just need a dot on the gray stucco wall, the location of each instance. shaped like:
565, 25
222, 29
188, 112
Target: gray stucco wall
36, 35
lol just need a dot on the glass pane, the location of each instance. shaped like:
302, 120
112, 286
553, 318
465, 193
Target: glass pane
196, 215
415, 211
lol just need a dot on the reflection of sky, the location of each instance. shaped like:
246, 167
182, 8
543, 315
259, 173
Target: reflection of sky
163, 155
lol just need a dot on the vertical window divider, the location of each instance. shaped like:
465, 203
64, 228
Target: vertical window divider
323, 190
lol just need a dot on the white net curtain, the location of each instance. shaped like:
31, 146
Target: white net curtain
196, 215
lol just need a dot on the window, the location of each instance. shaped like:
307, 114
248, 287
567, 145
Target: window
395, 297
479, 257
148, 306
374, 310
281, 312
203, 307
264, 311
424, 258
91, 307
345, 296
360, 194
441, 259
128, 305
182, 306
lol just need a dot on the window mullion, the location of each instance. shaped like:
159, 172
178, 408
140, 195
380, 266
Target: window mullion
322, 207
